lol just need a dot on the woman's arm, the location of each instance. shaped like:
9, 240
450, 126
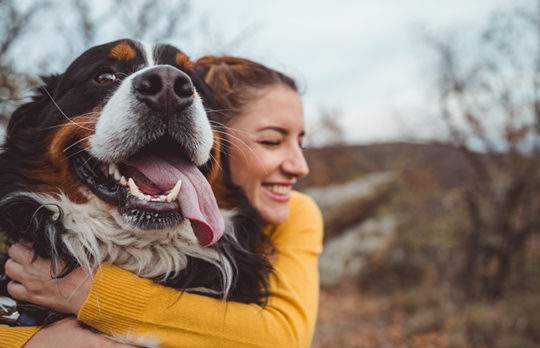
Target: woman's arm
121, 303
66, 333
16, 337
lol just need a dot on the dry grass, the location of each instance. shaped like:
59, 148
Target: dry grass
425, 316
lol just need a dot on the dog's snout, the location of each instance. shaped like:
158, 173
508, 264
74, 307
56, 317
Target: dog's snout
164, 88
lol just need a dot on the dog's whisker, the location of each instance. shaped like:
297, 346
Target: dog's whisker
212, 111
247, 147
78, 123
227, 129
74, 154
85, 162
76, 142
62, 125
61, 111
216, 162
226, 140
89, 113
237, 130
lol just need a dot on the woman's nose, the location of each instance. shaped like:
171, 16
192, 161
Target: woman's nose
295, 162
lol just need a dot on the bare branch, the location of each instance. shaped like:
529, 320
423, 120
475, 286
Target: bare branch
15, 22
494, 102
86, 25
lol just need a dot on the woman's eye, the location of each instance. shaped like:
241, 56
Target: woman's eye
105, 78
271, 142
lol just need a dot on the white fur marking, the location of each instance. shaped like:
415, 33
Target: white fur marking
148, 53
137, 340
94, 237
118, 129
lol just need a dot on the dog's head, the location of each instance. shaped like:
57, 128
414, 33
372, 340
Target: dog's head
124, 124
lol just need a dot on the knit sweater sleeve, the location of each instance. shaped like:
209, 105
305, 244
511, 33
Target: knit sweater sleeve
16, 337
123, 305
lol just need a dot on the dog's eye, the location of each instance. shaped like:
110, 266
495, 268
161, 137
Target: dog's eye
105, 78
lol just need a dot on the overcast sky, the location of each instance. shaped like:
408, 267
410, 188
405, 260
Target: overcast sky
363, 57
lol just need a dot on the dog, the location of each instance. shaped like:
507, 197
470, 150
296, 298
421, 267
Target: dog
116, 161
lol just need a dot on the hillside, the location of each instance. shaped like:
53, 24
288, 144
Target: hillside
339, 164
410, 285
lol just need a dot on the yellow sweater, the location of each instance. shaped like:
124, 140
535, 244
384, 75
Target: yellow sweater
123, 305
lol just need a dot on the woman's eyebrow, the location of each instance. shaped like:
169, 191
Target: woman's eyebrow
281, 130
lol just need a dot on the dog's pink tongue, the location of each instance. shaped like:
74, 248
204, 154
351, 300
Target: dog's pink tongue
196, 197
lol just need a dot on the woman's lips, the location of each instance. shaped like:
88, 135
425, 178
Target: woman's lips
278, 192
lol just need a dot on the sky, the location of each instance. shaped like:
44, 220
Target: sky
365, 59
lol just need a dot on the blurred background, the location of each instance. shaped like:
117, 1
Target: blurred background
424, 144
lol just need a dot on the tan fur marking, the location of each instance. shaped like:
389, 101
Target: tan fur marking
226, 196
123, 51
215, 154
183, 61
55, 174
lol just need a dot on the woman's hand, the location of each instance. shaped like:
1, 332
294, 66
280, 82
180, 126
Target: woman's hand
32, 282
68, 333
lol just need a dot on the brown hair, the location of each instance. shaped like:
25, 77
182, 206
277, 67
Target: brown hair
235, 81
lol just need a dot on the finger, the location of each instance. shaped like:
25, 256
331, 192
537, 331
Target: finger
26, 244
21, 254
14, 270
17, 290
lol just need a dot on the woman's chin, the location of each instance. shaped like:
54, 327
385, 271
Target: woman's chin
275, 213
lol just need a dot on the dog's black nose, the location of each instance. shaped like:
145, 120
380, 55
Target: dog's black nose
164, 88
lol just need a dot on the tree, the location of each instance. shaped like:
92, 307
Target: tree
14, 21
490, 105
78, 24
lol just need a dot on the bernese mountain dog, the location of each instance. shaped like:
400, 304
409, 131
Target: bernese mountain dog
116, 161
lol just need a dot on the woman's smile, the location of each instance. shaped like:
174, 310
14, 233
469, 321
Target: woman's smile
278, 192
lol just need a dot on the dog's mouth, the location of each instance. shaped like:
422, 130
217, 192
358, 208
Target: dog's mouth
154, 189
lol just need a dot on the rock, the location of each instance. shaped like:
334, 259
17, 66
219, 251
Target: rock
346, 254
346, 205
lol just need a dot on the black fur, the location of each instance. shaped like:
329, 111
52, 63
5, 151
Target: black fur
24, 219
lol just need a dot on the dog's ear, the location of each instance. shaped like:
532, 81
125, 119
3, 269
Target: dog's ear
28, 115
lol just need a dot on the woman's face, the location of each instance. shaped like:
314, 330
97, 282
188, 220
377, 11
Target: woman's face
265, 152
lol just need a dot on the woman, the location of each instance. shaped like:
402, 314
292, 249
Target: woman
263, 113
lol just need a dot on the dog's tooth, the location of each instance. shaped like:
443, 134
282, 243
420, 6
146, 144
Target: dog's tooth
175, 191
173, 194
140, 196
123, 181
148, 197
134, 190
162, 198
117, 175
112, 168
